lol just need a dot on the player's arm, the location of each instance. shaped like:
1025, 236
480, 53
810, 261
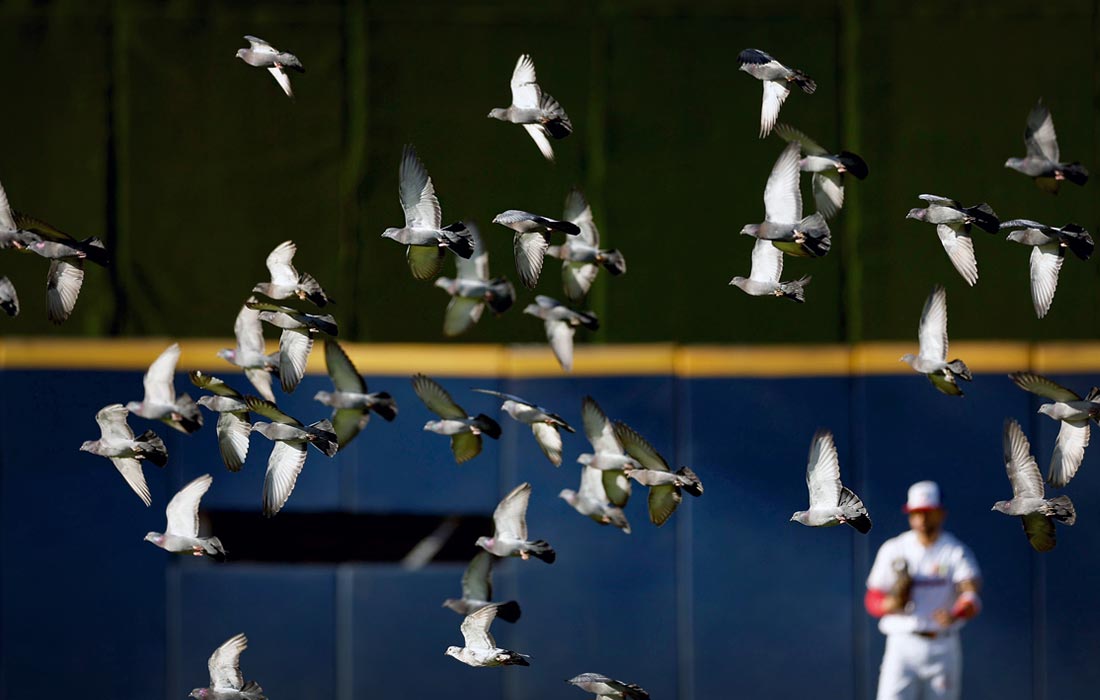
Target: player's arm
885, 601
968, 604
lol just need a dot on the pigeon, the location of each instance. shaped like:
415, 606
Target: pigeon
532, 240
828, 169
263, 55
783, 223
767, 268
664, 484
953, 222
560, 323
465, 431
1048, 249
182, 534
607, 454
1074, 414
9, 300
831, 503
425, 238
539, 113
288, 456
234, 425
1042, 160
350, 401
510, 530
605, 688
226, 680
582, 256
471, 289
1028, 496
591, 500
543, 424
160, 402
250, 353
481, 650
117, 443
931, 361
286, 281
296, 339
477, 590
776, 78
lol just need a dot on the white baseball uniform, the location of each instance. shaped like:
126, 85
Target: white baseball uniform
922, 659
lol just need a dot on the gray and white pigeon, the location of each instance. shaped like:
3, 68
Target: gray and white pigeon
480, 648
544, 424
226, 680
287, 281
931, 361
425, 237
1073, 412
477, 590
510, 530
181, 536
591, 500
1042, 162
9, 300
471, 289
538, 112
828, 169
296, 339
117, 443
783, 223
263, 55
1029, 500
288, 455
531, 241
605, 688
234, 424
560, 323
581, 255
776, 78
831, 503
664, 484
349, 399
767, 268
1048, 249
160, 401
251, 353
953, 222
465, 430
607, 454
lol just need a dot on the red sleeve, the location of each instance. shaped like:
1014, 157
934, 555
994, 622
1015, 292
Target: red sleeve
875, 602
966, 606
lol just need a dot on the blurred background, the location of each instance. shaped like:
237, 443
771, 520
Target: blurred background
133, 122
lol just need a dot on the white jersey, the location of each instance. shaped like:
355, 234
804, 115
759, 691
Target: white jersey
936, 571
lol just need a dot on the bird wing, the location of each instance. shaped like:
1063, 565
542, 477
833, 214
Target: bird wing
261, 379
183, 509
282, 79
130, 469
224, 664
417, 193
592, 485
294, 348
774, 95
526, 93
233, 430
549, 440
475, 628
792, 135
112, 422
213, 384
1039, 135
828, 192
1041, 386
63, 283
436, 398
767, 262
597, 427
1040, 531
425, 262
940, 201
1023, 472
617, 486
158, 379
1046, 263
465, 446
477, 580
461, 315
341, 371
639, 448
269, 410
782, 197
960, 250
259, 45
1069, 450
477, 265
933, 326
7, 219
663, 501
249, 331
560, 336
578, 211
283, 467
823, 471
279, 264
577, 279
538, 135
510, 516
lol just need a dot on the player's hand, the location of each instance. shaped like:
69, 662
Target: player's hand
943, 617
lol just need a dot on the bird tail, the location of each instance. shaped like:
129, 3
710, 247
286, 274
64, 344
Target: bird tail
542, 550
385, 406
326, 324
501, 295
959, 368
190, 415
803, 81
509, 612
1078, 240
694, 486
849, 501
553, 118
459, 240
853, 164
796, 289
1061, 509
589, 320
153, 449
816, 232
613, 261
213, 548
95, 250
252, 691
514, 658
313, 290
487, 425
1076, 173
984, 217
323, 438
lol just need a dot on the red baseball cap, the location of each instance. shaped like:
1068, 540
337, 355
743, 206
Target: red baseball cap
923, 496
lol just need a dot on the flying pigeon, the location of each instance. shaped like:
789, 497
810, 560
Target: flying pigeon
931, 361
250, 353
664, 484
1028, 496
783, 223
581, 255
160, 402
1074, 414
605, 688
226, 680
465, 431
263, 55
349, 400
9, 300
481, 650
118, 444
532, 240
510, 530
776, 78
423, 234
288, 456
1048, 249
831, 503
560, 323
828, 169
607, 453
767, 268
953, 222
543, 423
182, 534
471, 289
286, 281
539, 113
591, 500
477, 590
1042, 160
234, 425
296, 339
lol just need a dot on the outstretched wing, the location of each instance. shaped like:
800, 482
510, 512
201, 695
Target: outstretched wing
510, 516
933, 326
823, 471
279, 264
1041, 386
475, 628
436, 398
1039, 135
417, 193
224, 664
158, 379
637, 447
782, 196
477, 580
183, 509
525, 90
1023, 472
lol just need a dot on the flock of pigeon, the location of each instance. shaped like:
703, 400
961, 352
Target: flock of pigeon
620, 455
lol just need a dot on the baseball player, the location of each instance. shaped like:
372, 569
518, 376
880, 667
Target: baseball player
924, 586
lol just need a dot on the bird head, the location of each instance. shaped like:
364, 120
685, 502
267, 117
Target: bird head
1047, 409
918, 213
453, 651
498, 113
908, 359
568, 495
454, 604
750, 230
155, 538
134, 407
88, 446
798, 517
391, 232
586, 459
738, 282
484, 542
199, 693
227, 354
446, 283
1001, 507
533, 310
1014, 163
